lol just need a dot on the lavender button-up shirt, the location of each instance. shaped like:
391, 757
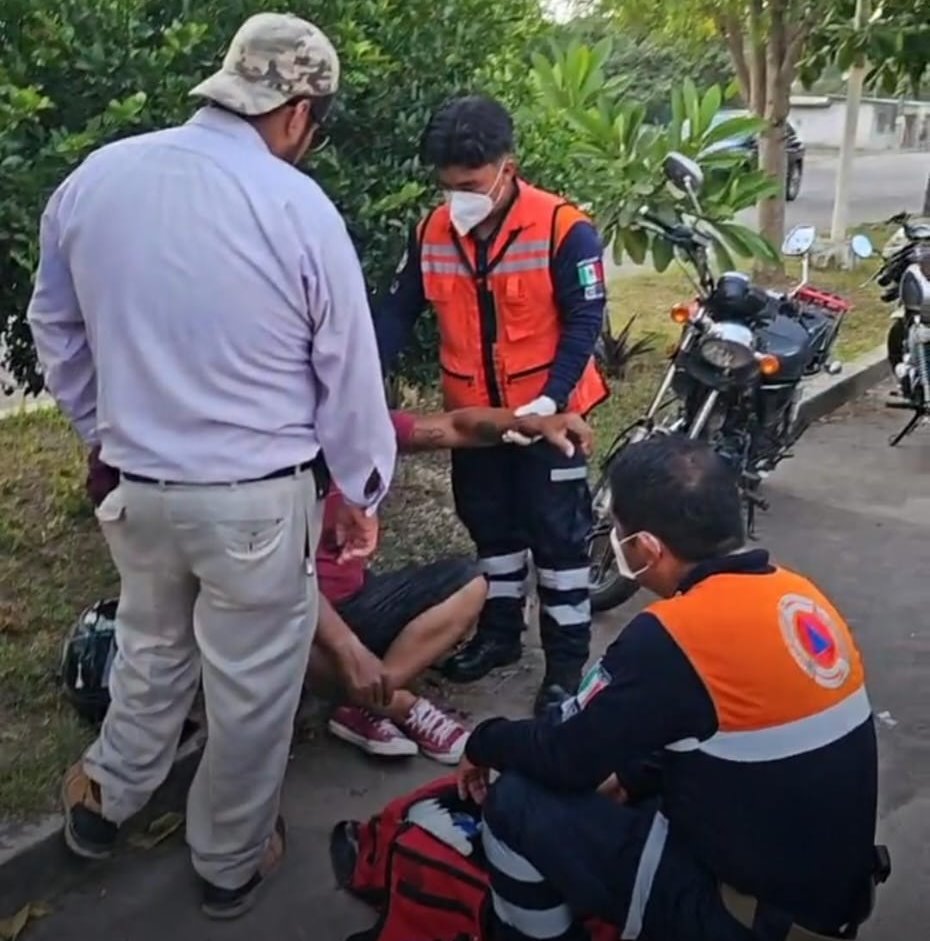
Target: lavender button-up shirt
199, 311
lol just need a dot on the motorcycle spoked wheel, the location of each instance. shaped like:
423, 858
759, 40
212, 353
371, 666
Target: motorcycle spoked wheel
609, 589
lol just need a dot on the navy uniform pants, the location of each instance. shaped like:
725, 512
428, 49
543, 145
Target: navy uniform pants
520, 500
553, 856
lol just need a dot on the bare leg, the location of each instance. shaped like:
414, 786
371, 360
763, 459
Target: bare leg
423, 641
427, 637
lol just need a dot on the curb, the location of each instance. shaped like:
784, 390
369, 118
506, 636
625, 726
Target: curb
825, 394
35, 865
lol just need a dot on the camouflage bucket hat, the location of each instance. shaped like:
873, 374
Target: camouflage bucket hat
273, 58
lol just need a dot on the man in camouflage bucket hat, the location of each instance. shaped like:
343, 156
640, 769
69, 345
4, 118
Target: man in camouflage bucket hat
280, 74
273, 59
224, 348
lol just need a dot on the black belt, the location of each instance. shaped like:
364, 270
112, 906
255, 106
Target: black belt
317, 464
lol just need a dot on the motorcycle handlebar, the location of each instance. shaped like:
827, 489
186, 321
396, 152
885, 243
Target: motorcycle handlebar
678, 234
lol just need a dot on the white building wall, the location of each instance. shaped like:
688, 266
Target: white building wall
878, 128
819, 127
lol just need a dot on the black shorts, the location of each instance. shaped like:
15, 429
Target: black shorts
389, 601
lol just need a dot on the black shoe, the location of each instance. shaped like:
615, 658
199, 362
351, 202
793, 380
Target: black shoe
551, 696
226, 904
558, 685
343, 852
88, 833
479, 656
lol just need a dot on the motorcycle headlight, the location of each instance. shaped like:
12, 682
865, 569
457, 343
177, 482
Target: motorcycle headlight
728, 346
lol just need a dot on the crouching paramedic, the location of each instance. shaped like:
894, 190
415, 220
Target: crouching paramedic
515, 277
728, 729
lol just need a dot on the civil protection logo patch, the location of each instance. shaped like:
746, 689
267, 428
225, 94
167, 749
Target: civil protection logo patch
814, 640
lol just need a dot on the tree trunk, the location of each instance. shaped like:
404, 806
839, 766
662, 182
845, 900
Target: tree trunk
854, 87
927, 198
772, 156
757, 60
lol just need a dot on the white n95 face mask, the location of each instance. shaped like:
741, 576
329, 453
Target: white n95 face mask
623, 567
468, 210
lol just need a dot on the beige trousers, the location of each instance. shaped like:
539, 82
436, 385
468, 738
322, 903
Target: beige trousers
215, 582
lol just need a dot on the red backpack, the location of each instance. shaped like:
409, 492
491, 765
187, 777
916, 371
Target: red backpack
423, 888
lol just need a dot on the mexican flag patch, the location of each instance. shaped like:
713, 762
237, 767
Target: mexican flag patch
595, 681
591, 278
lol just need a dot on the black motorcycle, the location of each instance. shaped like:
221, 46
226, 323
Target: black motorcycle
734, 378
905, 276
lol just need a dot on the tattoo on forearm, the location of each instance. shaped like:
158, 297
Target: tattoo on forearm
428, 438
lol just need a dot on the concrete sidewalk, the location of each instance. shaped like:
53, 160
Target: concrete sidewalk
848, 510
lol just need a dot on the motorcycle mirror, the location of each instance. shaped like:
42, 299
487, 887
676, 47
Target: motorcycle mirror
799, 241
683, 173
861, 246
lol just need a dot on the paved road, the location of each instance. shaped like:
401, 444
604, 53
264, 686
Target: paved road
883, 185
848, 510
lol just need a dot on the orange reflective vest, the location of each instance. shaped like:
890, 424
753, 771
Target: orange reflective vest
777, 659
499, 327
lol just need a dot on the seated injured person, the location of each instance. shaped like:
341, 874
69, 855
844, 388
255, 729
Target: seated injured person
379, 630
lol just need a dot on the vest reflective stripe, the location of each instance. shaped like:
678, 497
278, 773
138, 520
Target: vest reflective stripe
498, 339
530, 246
523, 264
790, 739
444, 267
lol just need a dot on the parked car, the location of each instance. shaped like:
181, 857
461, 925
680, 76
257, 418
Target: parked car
794, 145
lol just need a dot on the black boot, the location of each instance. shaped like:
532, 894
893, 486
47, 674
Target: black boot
483, 653
558, 685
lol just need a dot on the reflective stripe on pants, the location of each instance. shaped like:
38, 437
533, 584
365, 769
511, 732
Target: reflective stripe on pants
550, 854
514, 498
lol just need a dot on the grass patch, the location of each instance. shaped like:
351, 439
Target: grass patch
53, 561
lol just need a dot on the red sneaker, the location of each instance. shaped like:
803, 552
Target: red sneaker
373, 734
439, 736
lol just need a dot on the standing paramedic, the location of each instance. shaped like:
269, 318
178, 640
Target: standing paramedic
202, 319
515, 277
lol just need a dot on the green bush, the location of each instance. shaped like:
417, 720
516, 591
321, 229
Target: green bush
622, 156
77, 73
